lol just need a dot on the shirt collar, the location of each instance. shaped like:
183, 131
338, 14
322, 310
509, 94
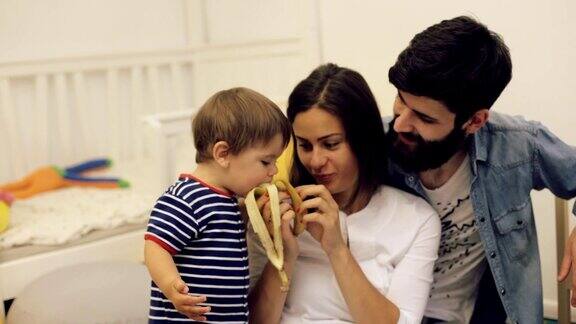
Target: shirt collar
478, 148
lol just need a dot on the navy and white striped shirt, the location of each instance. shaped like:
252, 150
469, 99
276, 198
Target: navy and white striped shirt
203, 230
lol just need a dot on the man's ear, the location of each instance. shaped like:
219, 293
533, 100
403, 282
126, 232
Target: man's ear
477, 121
221, 153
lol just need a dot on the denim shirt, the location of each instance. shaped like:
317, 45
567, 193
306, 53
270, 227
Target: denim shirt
509, 157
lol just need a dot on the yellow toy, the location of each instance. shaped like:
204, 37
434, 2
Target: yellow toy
4, 216
5, 201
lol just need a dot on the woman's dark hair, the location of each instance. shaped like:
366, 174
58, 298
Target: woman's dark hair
458, 62
345, 94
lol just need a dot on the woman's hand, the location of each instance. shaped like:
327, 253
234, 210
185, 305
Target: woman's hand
290, 242
322, 217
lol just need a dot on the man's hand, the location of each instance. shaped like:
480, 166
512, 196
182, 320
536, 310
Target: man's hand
186, 304
569, 264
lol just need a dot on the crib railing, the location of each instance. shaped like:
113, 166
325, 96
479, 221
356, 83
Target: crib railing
61, 111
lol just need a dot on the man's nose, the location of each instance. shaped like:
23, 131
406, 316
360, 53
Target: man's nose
403, 122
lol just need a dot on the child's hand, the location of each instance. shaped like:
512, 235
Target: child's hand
185, 303
291, 249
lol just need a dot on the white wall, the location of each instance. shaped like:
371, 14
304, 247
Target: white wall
31, 29
541, 36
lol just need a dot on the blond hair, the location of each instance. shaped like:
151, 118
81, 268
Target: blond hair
239, 116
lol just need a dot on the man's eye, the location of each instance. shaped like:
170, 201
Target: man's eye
427, 120
265, 163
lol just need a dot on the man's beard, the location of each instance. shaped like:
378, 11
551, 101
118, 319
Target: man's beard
423, 155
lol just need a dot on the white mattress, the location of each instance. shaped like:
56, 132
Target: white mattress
65, 215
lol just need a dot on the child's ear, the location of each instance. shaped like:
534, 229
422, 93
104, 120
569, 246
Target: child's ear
221, 153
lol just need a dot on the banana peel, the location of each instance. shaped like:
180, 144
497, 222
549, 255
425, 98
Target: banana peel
268, 230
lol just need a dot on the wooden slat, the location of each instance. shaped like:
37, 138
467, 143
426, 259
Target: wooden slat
10, 125
562, 234
136, 108
83, 116
177, 86
19, 162
112, 115
154, 86
64, 126
42, 147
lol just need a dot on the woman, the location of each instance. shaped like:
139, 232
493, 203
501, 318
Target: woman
381, 271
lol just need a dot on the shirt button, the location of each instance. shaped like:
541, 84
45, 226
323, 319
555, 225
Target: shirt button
482, 219
502, 291
411, 178
492, 254
519, 222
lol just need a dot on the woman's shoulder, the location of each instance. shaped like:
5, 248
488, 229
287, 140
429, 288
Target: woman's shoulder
404, 205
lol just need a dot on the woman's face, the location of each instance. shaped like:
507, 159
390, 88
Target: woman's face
324, 151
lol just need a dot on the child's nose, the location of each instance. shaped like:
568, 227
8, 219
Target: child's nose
273, 170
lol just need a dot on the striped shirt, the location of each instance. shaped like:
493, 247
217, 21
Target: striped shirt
203, 230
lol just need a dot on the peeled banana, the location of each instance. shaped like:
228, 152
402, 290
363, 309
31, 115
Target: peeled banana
268, 231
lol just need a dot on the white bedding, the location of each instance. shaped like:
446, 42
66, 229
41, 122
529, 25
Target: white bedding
60, 216
65, 215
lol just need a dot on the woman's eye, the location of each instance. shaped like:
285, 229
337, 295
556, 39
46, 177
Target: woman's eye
265, 163
331, 145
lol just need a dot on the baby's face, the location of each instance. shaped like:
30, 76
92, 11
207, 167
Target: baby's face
253, 166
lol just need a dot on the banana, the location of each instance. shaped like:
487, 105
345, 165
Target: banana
268, 231
299, 225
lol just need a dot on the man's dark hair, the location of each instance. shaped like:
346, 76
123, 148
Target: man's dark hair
458, 62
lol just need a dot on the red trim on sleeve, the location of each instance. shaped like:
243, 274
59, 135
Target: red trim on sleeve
221, 191
158, 241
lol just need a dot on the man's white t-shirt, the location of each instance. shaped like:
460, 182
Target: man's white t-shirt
461, 260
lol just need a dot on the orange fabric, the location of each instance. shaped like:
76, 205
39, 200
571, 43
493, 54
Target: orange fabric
46, 179
92, 184
40, 180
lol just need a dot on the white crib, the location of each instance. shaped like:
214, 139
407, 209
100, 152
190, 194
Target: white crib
134, 108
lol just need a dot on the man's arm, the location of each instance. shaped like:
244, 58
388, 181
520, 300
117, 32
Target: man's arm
555, 169
554, 165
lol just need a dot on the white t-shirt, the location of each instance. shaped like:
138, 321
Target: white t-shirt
461, 260
394, 239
